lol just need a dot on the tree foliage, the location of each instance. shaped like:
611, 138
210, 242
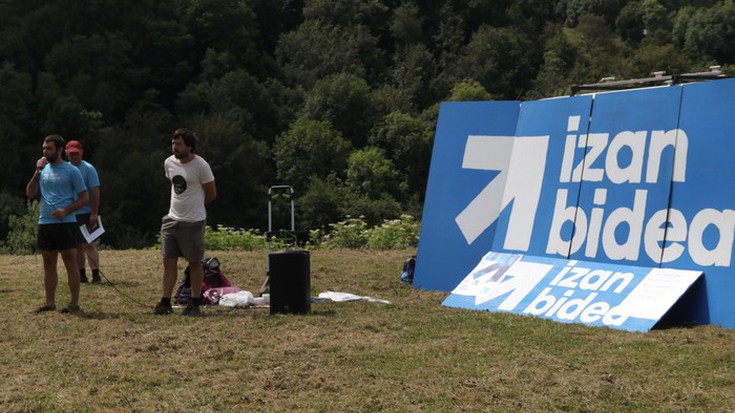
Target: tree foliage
310, 148
337, 98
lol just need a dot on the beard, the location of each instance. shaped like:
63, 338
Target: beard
181, 155
52, 157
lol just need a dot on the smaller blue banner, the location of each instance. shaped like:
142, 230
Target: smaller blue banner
597, 294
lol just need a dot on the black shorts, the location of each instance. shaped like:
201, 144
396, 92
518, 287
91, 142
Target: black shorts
57, 237
82, 219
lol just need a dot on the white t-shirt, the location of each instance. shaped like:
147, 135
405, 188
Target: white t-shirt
187, 193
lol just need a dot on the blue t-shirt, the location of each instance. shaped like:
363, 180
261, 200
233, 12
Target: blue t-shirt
59, 186
91, 180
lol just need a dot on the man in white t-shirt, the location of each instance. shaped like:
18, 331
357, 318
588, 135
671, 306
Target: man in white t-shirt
182, 229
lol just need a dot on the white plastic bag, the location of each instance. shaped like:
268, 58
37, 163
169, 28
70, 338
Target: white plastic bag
238, 299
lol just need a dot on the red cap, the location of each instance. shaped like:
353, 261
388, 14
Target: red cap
73, 147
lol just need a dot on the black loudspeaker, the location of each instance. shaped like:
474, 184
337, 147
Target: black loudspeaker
290, 282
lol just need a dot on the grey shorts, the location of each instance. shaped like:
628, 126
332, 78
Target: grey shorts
182, 239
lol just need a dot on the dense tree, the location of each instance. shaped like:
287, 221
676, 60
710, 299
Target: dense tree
345, 101
371, 174
337, 98
236, 91
469, 90
413, 72
9, 205
449, 41
710, 32
608, 10
501, 59
316, 50
629, 23
641, 19
406, 24
564, 63
601, 48
321, 202
310, 148
94, 70
16, 117
346, 13
654, 58
373, 186
230, 25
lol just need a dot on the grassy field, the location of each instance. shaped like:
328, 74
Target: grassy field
409, 356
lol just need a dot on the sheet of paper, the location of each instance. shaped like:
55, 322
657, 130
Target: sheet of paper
91, 234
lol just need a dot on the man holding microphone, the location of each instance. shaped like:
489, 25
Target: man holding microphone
58, 183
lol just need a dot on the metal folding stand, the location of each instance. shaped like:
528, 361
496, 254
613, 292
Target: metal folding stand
272, 191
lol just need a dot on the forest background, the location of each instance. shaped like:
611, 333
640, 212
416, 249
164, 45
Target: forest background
337, 98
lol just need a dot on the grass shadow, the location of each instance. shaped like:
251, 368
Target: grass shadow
222, 311
124, 283
312, 313
100, 315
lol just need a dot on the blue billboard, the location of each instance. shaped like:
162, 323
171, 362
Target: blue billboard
458, 121
637, 177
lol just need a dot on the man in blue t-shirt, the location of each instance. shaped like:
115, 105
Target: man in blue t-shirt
86, 215
59, 184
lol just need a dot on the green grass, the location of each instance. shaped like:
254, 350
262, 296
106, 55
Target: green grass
410, 356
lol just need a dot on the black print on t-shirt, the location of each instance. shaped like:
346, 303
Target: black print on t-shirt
179, 184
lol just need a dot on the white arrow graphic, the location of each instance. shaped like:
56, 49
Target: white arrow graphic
521, 161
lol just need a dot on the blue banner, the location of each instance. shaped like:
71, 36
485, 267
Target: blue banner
626, 175
563, 125
639, 177
701, 218
452, 180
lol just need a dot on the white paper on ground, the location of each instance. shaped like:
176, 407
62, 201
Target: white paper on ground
341, 297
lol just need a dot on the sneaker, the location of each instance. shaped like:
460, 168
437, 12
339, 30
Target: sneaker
162, 309
71, 309
96, 280
44, 308
191, 310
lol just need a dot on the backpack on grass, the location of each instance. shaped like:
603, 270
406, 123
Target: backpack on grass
213, 278
408, 268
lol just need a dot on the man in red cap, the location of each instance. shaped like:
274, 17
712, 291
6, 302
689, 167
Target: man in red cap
88, 214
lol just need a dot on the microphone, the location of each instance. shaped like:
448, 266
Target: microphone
45, 161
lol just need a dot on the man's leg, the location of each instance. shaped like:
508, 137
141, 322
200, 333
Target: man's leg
170, 268
196, 278
170, 255
93, 256
72, 272
80, 262
50, 276
94, 262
